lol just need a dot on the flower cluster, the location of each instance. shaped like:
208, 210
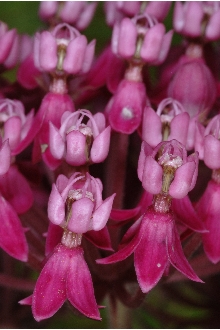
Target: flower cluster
106, 158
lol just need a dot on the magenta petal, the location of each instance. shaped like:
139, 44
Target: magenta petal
124, 252
5, 157
152, 43
26, 301
73, 60
79, 286
47, 51
151, 127
80, 221
131, 233
50, 290
150, 257
122, 215
53, 237
100, 239
12, 131
12, 238
185, 212
127, 38
177, 257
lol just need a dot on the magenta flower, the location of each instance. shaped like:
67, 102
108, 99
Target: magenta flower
63, 50
124, 110
52, 107
65, 276
156, 244
153, 45
208, 208
169, 122
79, 143
193, 85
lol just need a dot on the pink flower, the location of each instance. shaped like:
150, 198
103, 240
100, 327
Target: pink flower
169, 122
124, 110
77, 13
65, 276
17, 126
63, 50
85, 208
189, 19
167, 168
142, 39
9, 46
156, 244
79, 143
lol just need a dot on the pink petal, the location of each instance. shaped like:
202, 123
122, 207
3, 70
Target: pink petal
122, 215
53, 238
73, 60
76, 148
79, 286
212, 152
89, 55
56, 143
12, 131
150, 257
56, 207
50, 290
102, 213
181, 184
100, 146
152, 43
177, 257
179, 128
5, 157
151, 127
81, 216
12, 238
146, 150
47, 51
152, 176
127, 38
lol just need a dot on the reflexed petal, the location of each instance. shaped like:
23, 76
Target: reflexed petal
12, 238
100, 239
79, 286
53, 238
122, 215
187, 215
150, 257
177, 257
50, 290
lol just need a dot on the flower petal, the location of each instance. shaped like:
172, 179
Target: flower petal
79, 286
50, 290
177, 257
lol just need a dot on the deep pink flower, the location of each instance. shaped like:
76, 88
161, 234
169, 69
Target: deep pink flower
156, 244
79, 143
63, 50
64, 277
52, 108
124, 110
193, 85
208, 208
